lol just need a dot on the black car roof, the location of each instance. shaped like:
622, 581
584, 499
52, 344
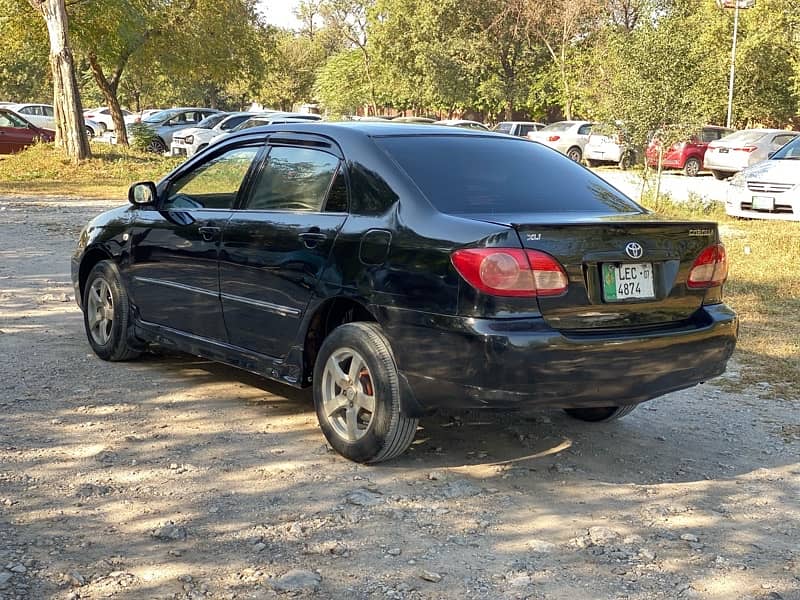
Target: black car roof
368, 128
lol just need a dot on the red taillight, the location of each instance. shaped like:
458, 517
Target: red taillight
511, 271
710, 269
554, 138
746, 149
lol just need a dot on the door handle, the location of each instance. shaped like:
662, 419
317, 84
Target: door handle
209, 234
312, 238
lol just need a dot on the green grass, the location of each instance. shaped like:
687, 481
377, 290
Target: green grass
41, 169
763, 287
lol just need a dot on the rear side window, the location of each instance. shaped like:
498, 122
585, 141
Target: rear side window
295, 179
483, 175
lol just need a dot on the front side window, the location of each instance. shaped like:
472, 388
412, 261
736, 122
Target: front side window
790, 151
779, 141
294, 179
48, 111
8, 119
213, 184
231, 122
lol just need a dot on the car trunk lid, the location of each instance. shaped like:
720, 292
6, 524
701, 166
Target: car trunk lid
624, 272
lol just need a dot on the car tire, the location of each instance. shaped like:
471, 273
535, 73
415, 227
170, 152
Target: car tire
602, 414
157, 146
103, 127
592, 163
692, 167
357, 395
89, 132
575, 154
720, 175
626, 162
106, 314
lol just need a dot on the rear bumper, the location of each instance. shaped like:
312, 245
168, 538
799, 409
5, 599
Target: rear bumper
462, 363
727, 163
603, 152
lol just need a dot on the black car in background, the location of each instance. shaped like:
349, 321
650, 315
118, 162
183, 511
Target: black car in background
401, 269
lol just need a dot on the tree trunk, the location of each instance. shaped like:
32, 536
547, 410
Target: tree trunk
109, 91
70, 125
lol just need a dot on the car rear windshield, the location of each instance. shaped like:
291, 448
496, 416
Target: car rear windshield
500, 175
744, 137
560, 126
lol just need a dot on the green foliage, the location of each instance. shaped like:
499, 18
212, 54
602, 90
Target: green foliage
340, 85
24, 68
646, 62
142, 136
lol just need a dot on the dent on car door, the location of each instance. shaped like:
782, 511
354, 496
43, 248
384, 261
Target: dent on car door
173, 268
276, 247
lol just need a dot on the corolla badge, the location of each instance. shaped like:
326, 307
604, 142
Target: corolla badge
634, 250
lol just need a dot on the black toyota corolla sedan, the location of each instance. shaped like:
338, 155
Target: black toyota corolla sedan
401, 269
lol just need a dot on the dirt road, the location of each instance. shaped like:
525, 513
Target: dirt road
175, 478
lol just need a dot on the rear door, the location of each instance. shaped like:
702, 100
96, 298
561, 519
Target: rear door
173, 270
275, 248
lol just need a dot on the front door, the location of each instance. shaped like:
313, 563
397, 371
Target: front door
173, 271
14, 133
276, 247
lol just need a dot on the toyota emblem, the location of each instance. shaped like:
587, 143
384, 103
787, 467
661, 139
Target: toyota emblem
634, 250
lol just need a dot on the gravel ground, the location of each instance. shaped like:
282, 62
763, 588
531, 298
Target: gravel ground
175, 478
674, 183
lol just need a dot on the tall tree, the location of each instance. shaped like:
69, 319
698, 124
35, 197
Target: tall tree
70, 126
349, 19
561, 26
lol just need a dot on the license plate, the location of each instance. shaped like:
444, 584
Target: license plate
723, 150
763, 203
627, 281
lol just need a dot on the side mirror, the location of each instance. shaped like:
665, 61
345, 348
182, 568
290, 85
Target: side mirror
143, 193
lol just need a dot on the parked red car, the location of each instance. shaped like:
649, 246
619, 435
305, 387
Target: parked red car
16, 133
687, 156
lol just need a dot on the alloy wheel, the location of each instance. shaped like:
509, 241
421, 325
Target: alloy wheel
100, 311
348, 394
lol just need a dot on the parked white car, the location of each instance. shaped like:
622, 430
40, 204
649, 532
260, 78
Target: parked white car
609, 143
744, 148
43, 115
188, 142
568, 137
769, 189
102, 115
466, 124
271, 118
518, 128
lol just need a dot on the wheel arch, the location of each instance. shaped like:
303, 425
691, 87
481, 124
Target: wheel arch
327, 317
90, 258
